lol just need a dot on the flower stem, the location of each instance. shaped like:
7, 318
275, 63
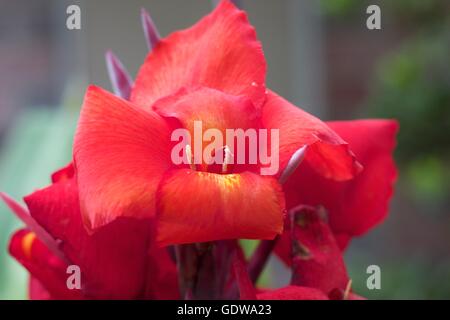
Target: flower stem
259, 258
203, 269
187, 261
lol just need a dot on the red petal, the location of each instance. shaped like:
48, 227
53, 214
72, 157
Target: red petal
357, 205
343, 240
245, 285
23, 214
214, 108
327, 153
42, 264
200, 206
112, 260
120, 152
316, 258
293, 293
354, 296
221, 52
64, 174
37, 291
162, 276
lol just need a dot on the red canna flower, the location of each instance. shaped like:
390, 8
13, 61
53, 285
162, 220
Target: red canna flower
357, 205
213, 72
123, 198
112, 267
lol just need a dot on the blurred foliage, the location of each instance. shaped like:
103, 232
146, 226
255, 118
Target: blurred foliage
413, 86
39, 143
430, 178
412, 279
411, 83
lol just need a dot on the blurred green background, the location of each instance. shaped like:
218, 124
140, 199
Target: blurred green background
410, 82
321, 56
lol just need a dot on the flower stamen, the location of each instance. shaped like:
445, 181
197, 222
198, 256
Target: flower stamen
228, 159
347, 289
190, 157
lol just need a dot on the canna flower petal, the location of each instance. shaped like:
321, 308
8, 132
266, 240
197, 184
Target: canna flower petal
121, 153
198, 206
23, 214
161, 276
316, 258
214, 108
373, 142
246, 289
221, 51
36, 291
293, 293
327, 153
64, 174
354, 206
104, 257
42, 264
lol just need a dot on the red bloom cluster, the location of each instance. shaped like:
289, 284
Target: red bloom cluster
137, 225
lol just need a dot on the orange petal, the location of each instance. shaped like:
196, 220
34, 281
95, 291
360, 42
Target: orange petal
120, 154
201, 206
